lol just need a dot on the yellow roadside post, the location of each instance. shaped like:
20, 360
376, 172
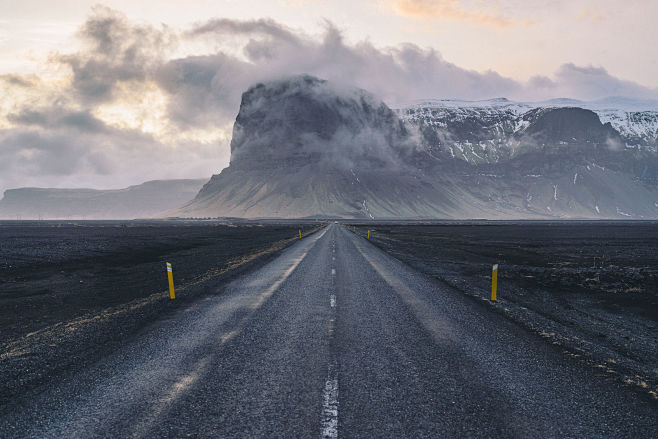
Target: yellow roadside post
300, 233
368, 234
170, 276
494, 282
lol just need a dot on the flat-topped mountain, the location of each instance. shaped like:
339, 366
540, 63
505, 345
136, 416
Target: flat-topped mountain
307, 120
304, 147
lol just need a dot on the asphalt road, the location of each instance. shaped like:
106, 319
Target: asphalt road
334, 338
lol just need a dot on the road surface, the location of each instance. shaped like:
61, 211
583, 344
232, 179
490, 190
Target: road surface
334, 338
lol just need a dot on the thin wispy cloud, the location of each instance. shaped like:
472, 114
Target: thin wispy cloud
591, 14
458, 10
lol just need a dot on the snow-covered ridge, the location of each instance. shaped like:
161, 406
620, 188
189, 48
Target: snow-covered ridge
611, 103
493, 123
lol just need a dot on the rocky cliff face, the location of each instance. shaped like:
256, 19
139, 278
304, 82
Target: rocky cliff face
486, 131
548, 126
307, 120
303, 147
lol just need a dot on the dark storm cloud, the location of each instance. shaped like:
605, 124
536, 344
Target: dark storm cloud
114, 50
204, 90
73, 152
56, 137
397, 74
18, 81
54, 142
227, 27
54, 117
43, 153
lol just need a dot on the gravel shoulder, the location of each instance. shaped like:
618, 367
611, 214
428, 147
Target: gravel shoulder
71, 293
588, 288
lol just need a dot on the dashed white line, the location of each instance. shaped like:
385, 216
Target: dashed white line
330, 405
329, 426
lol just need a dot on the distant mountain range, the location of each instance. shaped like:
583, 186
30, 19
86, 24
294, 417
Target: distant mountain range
304, 147
141, 201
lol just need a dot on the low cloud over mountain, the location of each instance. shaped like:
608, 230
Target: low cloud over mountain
133, 93
304, 147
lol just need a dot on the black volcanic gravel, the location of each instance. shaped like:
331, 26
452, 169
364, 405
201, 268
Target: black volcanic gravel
54, 272
590, 287
72, 292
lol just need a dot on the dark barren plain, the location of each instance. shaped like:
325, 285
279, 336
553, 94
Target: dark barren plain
590, 288
266, 324
71, 291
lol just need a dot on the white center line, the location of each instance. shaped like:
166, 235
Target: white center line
329, 428
330, 405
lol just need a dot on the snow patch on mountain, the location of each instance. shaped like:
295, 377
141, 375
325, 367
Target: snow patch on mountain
499, 119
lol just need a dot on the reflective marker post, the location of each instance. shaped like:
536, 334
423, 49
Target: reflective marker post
368, 234
494, 282
300, 233
170, 276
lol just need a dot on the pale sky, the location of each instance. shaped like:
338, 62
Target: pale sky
105, 94
516, 38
